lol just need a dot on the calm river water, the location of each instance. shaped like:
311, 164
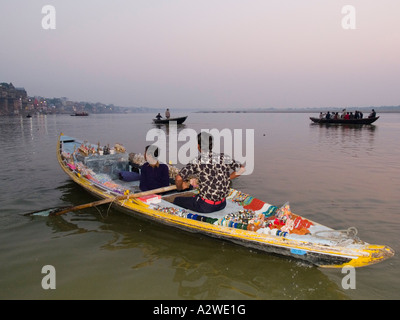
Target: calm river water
337, 175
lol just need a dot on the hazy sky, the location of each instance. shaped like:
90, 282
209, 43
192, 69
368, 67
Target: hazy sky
205, 53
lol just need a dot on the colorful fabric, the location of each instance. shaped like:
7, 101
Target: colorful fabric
255, 205
270, 210
231, 194
248, 200
289, 222
239, 196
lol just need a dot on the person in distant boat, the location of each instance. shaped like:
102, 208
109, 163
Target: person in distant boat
159, 116
167, 114
372, 114
212, 173
343, 113
153, 174
336, 115
347, 116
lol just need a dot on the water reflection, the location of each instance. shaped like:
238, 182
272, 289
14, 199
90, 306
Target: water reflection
339, 176
166, 127
349, 139
203, 268
22, 130
344, 130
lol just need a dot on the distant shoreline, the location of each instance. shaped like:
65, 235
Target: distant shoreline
132, 110
296, 111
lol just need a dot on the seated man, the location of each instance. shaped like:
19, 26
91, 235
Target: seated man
372, 114
153, 174
213, 173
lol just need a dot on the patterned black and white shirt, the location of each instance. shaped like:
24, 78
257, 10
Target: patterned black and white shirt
212, 171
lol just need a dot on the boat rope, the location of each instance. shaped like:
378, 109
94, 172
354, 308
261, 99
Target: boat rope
99, 211
108, 209
109, 206
339, 235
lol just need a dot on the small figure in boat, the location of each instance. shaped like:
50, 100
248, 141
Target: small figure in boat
328, 115
213, 173
159, 116
167, 114
153, 174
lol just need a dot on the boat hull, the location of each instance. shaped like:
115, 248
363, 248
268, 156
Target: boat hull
356, 254
310, 254
344, 121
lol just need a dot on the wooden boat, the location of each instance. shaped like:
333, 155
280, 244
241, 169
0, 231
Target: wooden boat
246, 221
344, 121
179, 120
80, 114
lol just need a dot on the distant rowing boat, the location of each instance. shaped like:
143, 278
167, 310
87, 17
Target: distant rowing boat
344, 121
80, 114
178, 120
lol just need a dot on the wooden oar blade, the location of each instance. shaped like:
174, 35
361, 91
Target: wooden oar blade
46, 212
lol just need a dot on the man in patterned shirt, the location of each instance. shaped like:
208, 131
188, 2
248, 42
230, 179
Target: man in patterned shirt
213, 174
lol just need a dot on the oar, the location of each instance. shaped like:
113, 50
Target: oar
60, 211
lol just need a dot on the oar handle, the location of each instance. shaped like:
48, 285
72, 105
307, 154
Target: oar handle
145, 193
108, 200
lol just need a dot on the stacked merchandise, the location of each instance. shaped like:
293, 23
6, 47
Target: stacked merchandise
267, 219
